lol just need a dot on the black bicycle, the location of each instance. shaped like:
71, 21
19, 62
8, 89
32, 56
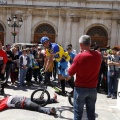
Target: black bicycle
42, 96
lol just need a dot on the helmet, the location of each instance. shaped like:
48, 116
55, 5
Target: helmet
44, 39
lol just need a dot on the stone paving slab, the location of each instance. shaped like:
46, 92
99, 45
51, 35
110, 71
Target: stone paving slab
105, 108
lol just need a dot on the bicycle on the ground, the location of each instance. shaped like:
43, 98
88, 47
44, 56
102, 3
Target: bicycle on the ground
41, 94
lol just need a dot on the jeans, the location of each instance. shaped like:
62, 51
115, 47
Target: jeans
8, 68
37, 75
22, 73
29, 74
112, 82
1, 78
29, 105
85, 96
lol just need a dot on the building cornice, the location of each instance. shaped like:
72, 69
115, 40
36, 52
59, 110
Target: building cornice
57, 7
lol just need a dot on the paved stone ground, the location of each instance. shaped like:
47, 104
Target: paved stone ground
105, 107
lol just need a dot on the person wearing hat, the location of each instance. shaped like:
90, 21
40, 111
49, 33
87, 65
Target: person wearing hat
56, 52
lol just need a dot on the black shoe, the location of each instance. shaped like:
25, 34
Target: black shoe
108, 96
52, 111
113, 97
6, 85
2, 81
60, 93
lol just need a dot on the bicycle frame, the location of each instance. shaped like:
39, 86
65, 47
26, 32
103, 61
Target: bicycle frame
56, 88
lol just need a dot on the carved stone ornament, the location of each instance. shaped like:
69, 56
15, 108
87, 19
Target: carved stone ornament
75, 19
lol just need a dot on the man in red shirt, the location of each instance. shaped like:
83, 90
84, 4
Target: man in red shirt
86, 66
3, 61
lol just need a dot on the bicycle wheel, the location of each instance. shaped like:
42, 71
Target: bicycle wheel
71, 100
41, 97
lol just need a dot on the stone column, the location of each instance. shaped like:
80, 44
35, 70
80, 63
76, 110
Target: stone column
29, 27
113, 33
60, 30
74, 31
81, 31
118, 32
67, 31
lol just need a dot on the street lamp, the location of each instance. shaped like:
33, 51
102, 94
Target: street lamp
15, 23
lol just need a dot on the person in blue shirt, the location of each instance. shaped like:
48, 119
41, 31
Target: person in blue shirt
72, 55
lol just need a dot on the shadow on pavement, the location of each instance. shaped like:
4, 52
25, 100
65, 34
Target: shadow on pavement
62, 109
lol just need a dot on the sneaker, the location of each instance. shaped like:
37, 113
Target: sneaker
6, 85
108, 96
113, 97
12, 84
52, 111
2, 81
60, 93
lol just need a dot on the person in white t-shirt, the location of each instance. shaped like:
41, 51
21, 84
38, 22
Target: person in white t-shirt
24, 62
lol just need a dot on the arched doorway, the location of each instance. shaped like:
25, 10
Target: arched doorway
44, 30
2, 34
99, 36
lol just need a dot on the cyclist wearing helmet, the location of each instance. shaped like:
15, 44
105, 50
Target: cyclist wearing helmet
56, 52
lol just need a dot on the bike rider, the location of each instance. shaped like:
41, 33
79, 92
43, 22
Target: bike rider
56, 51
3, 61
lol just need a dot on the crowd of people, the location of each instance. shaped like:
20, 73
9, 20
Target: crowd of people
23, 66
95, 70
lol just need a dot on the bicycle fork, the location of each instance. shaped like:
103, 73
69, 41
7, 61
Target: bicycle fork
42, 95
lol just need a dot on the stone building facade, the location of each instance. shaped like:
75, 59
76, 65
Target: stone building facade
63, 21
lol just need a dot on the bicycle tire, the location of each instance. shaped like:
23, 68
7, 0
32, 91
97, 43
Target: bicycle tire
37, 99
71, 100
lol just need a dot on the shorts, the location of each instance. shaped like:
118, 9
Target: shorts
63, 70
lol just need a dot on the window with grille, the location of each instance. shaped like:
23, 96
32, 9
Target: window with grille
45, 29
97, 31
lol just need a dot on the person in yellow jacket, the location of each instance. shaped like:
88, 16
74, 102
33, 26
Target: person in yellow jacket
56, 51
